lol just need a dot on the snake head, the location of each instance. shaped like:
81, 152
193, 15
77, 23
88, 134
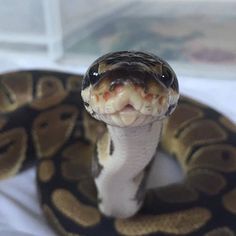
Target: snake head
130, 88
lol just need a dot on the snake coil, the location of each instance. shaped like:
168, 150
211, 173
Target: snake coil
44, 118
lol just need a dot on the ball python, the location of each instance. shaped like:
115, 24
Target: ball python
94, 137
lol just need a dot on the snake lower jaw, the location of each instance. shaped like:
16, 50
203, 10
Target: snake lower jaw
129, 116
128, 119
125, 118
132, 117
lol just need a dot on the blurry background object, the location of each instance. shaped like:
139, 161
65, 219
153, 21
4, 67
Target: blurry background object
29, 26
197, 37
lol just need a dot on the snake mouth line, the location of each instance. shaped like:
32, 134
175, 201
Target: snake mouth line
128, 108
125, 110
128, 115
133, 103
124, 116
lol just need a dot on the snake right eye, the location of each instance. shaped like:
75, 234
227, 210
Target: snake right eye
93, 74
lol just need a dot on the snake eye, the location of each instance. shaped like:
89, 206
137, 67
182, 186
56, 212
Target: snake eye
91, 77
93, 74
166, 77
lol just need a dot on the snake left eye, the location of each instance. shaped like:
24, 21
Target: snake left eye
166, 77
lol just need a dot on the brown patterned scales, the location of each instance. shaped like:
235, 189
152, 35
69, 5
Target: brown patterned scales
43, 118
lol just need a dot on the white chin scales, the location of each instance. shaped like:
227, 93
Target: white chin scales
128, 118
124, 118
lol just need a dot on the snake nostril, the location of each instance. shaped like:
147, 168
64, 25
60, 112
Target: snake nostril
106, 95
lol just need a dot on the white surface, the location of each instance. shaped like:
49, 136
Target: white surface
20, 214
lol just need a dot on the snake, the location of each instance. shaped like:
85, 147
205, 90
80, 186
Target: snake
94, 138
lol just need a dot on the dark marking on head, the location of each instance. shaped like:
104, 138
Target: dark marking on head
96, 166
111, 147
129, 57
134, 74
85, 82
135, 66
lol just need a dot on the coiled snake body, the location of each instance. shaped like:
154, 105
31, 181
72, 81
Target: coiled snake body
99, 188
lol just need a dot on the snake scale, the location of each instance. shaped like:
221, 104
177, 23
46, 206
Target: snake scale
90, 181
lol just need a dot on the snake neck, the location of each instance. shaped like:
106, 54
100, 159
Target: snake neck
124, 156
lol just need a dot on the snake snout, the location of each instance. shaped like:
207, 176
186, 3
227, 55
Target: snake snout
118, 86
